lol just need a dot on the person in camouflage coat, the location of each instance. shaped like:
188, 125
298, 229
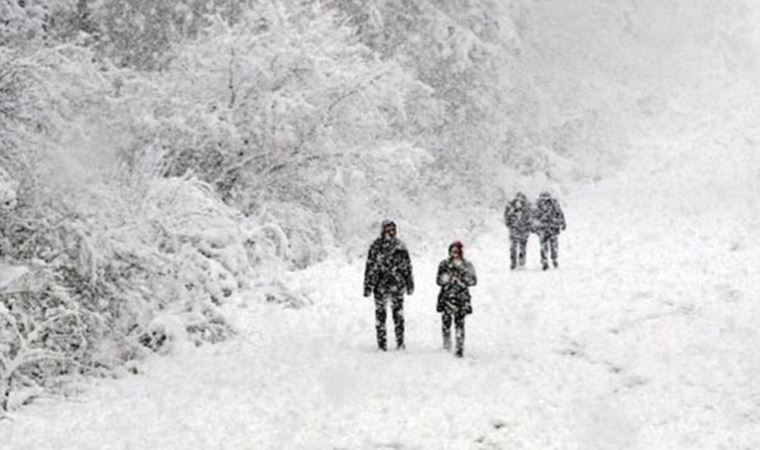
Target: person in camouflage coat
388, 274
548, 222
455, 276
517, 217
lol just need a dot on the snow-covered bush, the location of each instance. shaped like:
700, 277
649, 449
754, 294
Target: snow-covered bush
8, 191
276, 112
115, 248
28, 22
98, 281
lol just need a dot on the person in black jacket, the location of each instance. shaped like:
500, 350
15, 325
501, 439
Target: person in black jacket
388, 274
549, 220
455, 276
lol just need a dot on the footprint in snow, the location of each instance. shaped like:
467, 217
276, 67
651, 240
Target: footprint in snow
389, 445
635, 381
728, 293
573, 349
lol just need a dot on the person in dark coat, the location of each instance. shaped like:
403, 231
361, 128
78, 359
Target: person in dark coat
517, 217
549, 221
455, 276
388, 274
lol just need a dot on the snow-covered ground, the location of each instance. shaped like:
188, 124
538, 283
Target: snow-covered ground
646, 337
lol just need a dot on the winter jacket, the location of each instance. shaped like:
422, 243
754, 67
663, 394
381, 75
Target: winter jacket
455, 279
517, 217
548, 216
389, 268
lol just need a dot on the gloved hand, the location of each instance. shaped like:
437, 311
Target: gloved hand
367, 292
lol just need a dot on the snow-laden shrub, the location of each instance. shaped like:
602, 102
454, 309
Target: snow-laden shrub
29, 21
276, 113
109, 282
110, 244
8, 190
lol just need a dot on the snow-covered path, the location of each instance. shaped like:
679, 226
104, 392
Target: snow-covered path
646, 337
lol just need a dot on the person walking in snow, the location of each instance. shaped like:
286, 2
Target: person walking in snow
517, 217
388, 274
548, 221
455, 276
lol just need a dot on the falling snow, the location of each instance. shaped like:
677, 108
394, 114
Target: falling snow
188, 191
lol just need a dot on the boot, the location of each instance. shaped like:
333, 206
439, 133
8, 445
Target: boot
446, 341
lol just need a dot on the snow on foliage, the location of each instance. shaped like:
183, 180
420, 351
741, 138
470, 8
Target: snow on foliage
8, 190
156, 157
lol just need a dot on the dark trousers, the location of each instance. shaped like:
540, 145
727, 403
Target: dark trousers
517, 251
397, 308
549, 244
446, 318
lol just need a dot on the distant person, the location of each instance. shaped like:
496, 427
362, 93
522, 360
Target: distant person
388, 275
517, 217
548, 222
455, 276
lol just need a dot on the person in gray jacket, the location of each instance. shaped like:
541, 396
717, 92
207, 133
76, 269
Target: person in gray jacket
549, 221
517, 217
455, 276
